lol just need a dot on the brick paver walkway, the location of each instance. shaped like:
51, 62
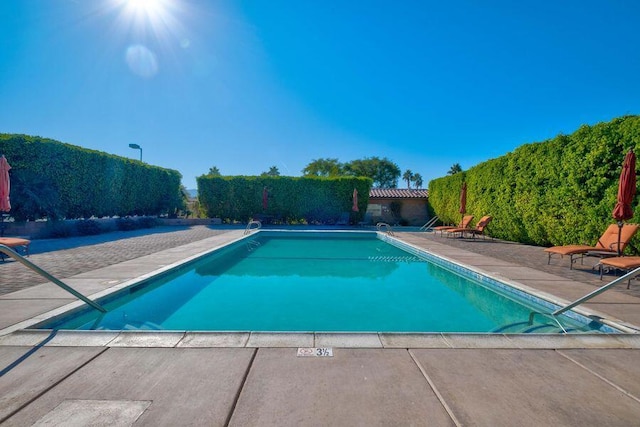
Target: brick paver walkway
67, 257
534, 257
525, 255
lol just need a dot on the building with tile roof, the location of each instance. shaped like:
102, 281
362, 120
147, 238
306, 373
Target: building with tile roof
403, 206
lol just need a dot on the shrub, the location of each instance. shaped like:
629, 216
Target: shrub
126, 224
33, 196
147, 222
557, 192
293, 199
56, 180
88, 227
396, 211
61, 229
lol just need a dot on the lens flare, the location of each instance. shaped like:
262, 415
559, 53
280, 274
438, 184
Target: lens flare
153, 33
141, 61
150, 24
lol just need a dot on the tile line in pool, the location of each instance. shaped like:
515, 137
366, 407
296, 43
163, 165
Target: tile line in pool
369, 258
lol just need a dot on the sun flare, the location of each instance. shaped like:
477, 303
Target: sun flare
150, 26
159, 18
151, 10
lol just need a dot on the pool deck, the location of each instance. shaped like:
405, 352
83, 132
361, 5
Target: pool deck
247, 379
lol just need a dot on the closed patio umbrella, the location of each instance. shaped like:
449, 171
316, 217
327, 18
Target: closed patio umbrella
355, 200
463, 199
265, 198
5, 185
626, 190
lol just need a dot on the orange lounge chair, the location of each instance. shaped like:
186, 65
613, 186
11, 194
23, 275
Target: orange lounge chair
466, 220
623, 263
15, 242
607, 244
473, 231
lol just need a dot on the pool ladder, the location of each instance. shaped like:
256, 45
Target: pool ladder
250, 224
13, 254
552, 316
384, 227
252, 245
429, 225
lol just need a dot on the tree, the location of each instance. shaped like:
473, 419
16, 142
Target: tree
455, 168
408, 176
273, 171
417, 179
214, 171
383, 172
324, 167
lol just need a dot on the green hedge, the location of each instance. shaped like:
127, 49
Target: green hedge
57, 180
560, 191
291, 199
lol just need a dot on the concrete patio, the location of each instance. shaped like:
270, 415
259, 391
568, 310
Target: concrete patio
245, 379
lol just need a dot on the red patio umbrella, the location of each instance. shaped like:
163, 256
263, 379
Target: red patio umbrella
355, 200
626, 191
5, 185
265, 198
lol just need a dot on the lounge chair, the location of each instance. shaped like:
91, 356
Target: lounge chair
478, 230
622, 263
15, 242
606, 246
466, 220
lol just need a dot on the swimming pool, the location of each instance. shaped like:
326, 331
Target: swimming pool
279, 281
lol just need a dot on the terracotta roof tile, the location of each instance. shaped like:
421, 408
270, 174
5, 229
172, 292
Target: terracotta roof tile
398, 193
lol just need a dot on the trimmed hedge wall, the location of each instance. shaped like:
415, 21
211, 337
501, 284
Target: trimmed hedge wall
291, 199
56, 180
560, 191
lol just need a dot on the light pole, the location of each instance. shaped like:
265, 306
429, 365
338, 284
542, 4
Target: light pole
136, 147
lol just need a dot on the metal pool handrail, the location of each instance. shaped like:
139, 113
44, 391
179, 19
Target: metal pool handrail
13, 254
598, 291
548, 316
429, 224
383, 226
252, 222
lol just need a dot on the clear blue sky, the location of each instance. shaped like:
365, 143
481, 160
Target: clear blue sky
245, 85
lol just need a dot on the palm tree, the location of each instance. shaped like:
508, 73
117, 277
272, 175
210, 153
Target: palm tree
408, 176
214, 171
417, 179
273, 171
455, 168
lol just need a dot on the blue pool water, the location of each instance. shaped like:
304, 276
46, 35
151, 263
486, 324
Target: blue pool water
315, 281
